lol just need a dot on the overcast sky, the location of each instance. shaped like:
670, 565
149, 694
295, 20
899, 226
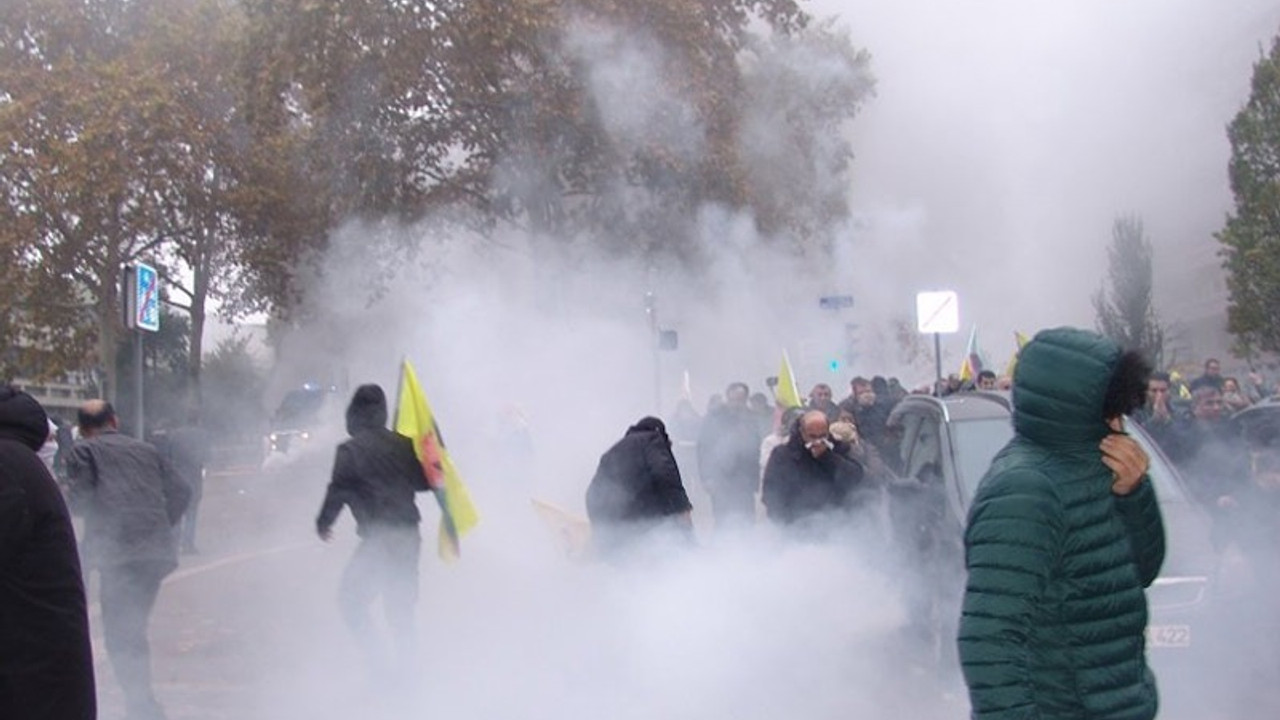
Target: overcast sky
1007, 135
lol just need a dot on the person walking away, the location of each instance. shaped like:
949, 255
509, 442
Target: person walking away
376, 474
131, 501
46, 661
1064, 533
636, 492
188, 448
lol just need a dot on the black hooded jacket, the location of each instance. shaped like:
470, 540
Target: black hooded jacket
46, 664
798, 486
376, 472
637, 479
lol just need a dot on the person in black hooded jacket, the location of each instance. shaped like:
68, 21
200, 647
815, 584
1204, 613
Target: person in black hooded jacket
376, 474
46, 661
637, 488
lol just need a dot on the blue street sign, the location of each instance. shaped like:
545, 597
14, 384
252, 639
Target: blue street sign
146, 298
835, 302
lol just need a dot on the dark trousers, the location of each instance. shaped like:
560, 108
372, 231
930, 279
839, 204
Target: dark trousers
385, 565
128, 594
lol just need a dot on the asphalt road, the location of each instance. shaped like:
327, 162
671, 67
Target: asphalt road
249, 629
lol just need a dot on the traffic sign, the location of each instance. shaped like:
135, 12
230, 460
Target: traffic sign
145, 305
835, 302
937, 312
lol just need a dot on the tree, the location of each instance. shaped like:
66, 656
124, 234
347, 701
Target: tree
117, 144
1251, 238
1124, 311
582, 122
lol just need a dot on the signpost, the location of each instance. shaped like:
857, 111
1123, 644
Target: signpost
937, 312
142, 315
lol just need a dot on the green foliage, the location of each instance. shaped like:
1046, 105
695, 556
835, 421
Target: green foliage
1251, 237
233, 385
590, 122
118, 146
1125, 312
226, 142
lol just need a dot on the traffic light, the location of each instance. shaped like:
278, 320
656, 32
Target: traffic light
834, 365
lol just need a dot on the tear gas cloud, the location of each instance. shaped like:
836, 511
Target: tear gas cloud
1006, 137
1010, 204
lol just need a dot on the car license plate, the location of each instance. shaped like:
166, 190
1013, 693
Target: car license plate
1169, 635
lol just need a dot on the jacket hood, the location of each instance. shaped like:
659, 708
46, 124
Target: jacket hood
648, 424
1060, 387
22, 418
368, 409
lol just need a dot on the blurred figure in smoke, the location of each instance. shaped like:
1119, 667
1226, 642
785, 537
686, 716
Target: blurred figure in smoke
686, 423
869, 412
1212, 376
763, 411
46, 661
1064, 534
1233, 398
779, 436
637, 492
821, 398
1212, 456
728, 459
376, 474
809, 476
1156, 415
187, 448
132, 502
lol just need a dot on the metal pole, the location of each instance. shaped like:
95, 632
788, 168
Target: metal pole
651, 307
137, 384
937, 360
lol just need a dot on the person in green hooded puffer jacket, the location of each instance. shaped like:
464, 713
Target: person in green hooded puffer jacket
1063, 535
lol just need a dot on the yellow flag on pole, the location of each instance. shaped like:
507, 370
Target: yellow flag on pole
788, 393
415, 421
1019, 340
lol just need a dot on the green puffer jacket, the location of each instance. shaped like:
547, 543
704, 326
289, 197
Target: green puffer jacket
1054, 608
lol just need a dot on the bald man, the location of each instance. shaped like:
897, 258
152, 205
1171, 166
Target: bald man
806, 478
131, 501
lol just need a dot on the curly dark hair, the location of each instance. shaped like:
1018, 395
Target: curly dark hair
1127, 390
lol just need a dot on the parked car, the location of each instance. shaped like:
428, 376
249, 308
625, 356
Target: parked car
945, 445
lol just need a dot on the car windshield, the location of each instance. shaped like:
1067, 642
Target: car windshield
977, 442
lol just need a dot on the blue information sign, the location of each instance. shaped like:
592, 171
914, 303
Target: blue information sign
146, 298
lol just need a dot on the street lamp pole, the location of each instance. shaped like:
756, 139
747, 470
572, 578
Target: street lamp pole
651, 309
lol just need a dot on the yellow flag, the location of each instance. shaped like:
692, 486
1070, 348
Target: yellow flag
787, 394
972, 364
1019, 341
572, 533
415, 421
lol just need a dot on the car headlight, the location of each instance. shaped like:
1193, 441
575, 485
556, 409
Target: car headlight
304, 435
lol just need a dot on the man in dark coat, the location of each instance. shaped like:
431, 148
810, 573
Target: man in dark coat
1064, 534
729, 459
46, 662
807, 477
131, 501
376, 474
637, 489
